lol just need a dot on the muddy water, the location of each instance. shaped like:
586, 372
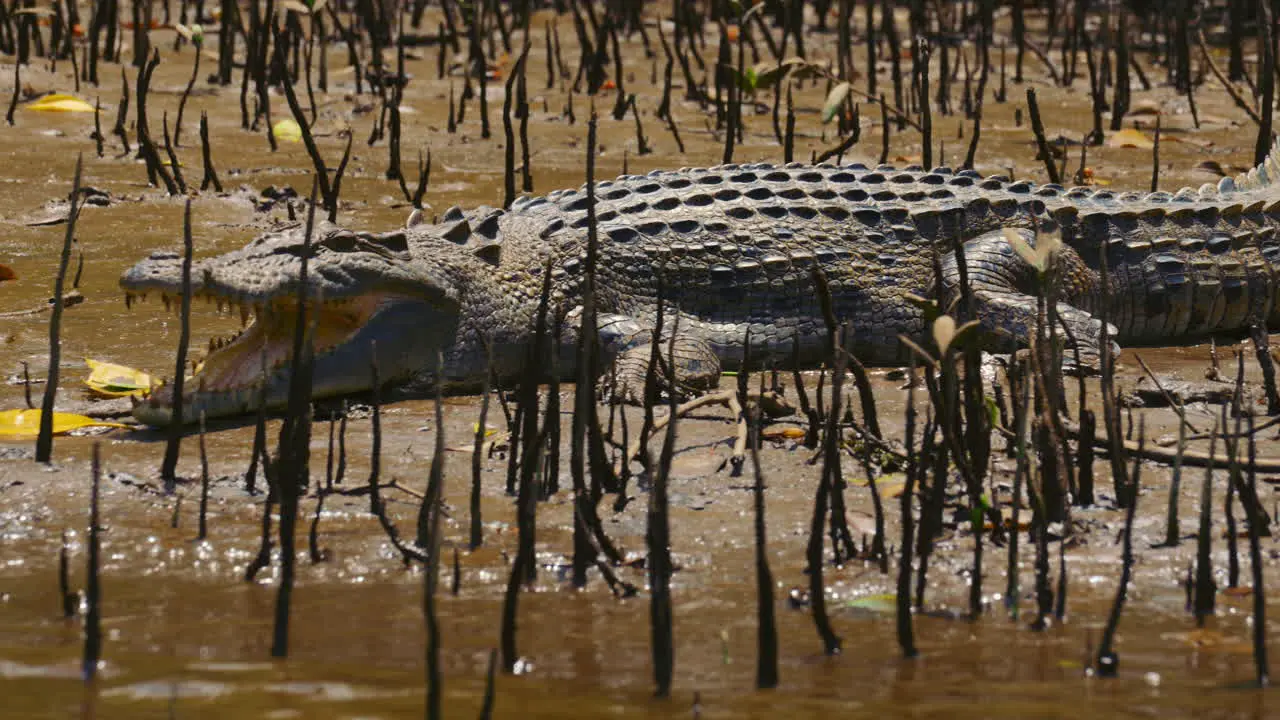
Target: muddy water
187, 637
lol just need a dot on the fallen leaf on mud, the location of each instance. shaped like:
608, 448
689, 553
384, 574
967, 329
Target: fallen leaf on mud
1206, 639
1237, 591
7, 273
26, 423
1129, 138
889, 486
287, 130
781, 433
881, 604
58, 102
113, 381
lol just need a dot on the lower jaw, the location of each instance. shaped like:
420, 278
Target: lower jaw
153, 411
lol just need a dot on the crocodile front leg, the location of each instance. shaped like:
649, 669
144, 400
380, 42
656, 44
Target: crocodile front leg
1006, 290
626, 346
687, 367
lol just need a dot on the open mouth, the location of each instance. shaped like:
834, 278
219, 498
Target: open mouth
232, 376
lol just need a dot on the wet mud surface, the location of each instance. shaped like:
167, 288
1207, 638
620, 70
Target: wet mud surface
187, 637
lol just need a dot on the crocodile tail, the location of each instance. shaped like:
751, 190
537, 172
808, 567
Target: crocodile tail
1266, 174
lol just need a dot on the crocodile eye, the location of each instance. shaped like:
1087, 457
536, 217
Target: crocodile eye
394, 241
338, 242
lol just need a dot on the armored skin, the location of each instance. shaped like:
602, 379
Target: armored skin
734, 248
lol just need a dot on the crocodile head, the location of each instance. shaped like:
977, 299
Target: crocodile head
366, 291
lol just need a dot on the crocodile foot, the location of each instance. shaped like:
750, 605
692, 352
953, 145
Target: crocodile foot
688, 368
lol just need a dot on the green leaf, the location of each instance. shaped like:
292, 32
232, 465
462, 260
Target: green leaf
993, 410
747, 80
879, 604
835, 100
768, 75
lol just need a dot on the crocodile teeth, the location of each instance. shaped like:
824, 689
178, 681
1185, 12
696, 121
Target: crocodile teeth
244, 315
128, 301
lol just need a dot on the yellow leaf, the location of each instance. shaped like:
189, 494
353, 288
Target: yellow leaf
58, 102
287, 130
111, 380
488, 431
1130, 138
26, 423
890, 486
780, 433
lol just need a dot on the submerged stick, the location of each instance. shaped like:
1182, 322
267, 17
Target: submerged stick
168, 467
93, 589
658, 540
69, 599
906, 634
295, 438
203, 531
476, 534
44, 440
1108, 662
1255, 566
766, 624
1173, 531
1205, 587
431, 572
486, 710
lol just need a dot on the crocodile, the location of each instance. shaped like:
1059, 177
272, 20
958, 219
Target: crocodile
734, 249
